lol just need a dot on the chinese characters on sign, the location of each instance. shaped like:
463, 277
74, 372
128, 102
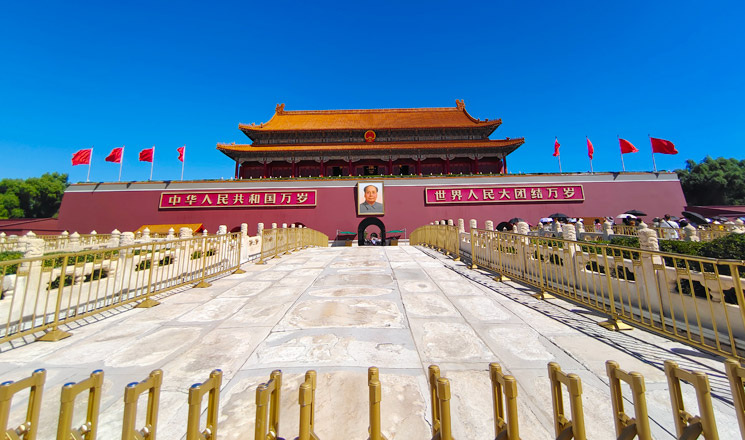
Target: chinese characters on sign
237, 199
505, 194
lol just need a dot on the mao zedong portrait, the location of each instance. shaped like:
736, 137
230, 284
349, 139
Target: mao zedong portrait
371, 204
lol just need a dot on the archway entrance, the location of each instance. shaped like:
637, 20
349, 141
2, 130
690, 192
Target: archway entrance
370, 221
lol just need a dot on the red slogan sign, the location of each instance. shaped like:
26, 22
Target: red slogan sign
237, 199
505, 194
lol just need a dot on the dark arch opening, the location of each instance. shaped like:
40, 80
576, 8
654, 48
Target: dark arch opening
370, 221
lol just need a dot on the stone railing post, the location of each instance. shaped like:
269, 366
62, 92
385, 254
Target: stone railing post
473, 224
171, 234
74, 243
259, 229
648, 239
461, 226
689, 233
114, 239
185, 233
450, 222
127, 238
274, 226
244, 229
222, 230
146, 235
204, 232
607, 230
489, 225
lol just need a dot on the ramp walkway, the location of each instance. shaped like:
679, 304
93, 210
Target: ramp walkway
341, 310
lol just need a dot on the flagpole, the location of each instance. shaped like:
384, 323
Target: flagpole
121, 160
151, 163
654, 164
183, 159
559, 157
623, 166
88, 177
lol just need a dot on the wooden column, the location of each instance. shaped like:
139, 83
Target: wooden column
323, 168
266, 169
390, 166
418, 166
504, 165
294, 168
447, 164
351, 168
237, 169
475, 165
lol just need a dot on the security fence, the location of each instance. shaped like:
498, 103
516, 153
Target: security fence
42, 293
276, 241
696, 300
568, 421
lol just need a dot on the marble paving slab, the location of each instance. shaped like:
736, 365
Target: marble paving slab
339, 311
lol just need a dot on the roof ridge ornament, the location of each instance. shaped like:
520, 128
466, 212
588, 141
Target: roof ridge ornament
279, 109
459, 104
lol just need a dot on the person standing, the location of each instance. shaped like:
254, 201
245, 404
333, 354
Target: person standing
669, 228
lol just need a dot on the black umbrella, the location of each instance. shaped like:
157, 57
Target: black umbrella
635, 212
695, 217
504, 226
516, 220
558, 215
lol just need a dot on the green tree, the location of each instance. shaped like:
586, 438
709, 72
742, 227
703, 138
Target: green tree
35, 197
717, 181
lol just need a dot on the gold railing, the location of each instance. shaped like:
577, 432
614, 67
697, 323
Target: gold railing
444, 238
696, 300
703, 234
40, 294
503, 388
276, 242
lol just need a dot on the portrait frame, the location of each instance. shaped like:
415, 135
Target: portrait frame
363, 209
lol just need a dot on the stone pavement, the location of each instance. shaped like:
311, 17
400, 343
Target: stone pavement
340, 310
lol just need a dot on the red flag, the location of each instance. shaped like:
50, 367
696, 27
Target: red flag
556, 147
626, 146
181, 153
82, 157
146, 155
115, 155
662, 146
590, 148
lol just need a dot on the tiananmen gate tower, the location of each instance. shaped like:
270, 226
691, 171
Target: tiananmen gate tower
340, 171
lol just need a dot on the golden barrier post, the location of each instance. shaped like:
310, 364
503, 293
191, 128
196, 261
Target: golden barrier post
28, 429
439, 390
196, 393
55, 334
373, 382
505, 419
456, 240
149, 302
626, 427
306, 399
736, 374
203, 283
473, 250
131, 394
267, 401
565, 428
70, 391
238, 269
688, 426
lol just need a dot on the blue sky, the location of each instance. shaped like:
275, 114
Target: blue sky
76, 74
